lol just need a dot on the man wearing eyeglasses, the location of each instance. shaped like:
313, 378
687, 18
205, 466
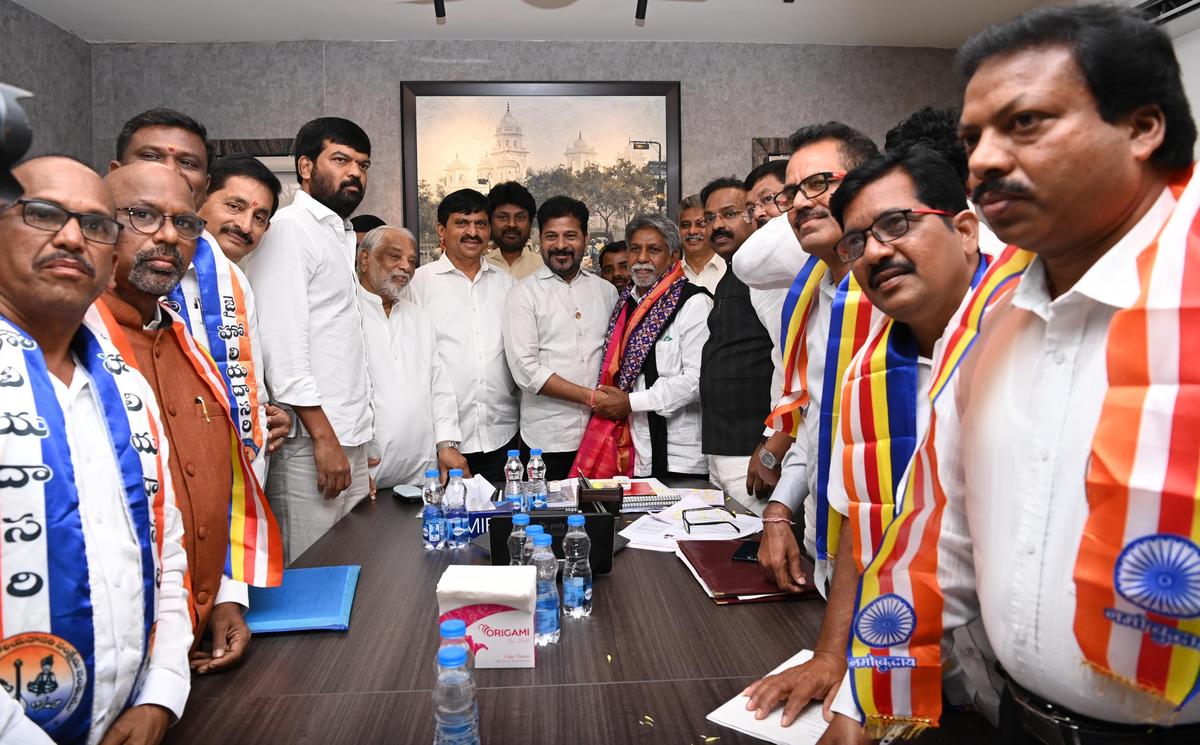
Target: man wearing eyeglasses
762, 186
77, 557
158, 240
912, 242
736, 372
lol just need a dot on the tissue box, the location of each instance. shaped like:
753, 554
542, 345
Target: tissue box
480, 521
496, 603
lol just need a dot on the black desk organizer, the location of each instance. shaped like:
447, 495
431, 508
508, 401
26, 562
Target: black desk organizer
600, 524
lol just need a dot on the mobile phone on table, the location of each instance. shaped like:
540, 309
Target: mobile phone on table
748, 551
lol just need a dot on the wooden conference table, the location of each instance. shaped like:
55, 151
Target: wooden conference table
675, 656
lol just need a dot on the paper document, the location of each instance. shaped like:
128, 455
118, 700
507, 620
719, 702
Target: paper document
661, 531
806, 730
649, 534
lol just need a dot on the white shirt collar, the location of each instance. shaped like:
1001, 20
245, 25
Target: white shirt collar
444, 266
1113, 280
320, 212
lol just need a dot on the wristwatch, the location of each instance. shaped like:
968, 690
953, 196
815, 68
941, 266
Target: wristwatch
446, 444
767, 458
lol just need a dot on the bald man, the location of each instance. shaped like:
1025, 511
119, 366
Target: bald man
86, 581
155, 206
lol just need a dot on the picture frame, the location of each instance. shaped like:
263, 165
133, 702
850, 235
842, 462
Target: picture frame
538, 133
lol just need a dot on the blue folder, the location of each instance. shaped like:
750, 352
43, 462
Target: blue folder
309, 599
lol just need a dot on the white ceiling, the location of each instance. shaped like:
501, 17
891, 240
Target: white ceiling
932, 23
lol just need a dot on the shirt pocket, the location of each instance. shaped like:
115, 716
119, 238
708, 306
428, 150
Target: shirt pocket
668, 354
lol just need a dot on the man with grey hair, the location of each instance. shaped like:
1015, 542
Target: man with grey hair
414, 400
649, 393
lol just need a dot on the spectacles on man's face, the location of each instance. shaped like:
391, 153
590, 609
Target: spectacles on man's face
811, 187
728, 215
887, 227
52, 217
148, 220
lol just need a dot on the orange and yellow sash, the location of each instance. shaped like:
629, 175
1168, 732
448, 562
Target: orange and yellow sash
895, 648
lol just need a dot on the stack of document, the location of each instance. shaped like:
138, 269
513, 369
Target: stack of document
806, 730
662, 530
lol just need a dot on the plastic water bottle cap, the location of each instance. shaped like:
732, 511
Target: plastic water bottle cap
575, 520
541, 539
521, 519
456, 472
432, 473
453, 628
452, 657
514, 453
536, 451
534, 529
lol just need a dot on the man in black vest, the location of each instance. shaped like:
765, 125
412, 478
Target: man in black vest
736, 366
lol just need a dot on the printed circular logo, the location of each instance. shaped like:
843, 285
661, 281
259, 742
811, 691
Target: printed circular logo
887, 621
45, 674
1161, 573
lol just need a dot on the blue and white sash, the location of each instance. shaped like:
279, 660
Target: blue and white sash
47, 651
222, 303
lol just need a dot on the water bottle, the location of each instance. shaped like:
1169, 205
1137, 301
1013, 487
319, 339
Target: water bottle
433, 522
545, 616
577, 570
458, 528
455, 716
514, 472
454, 634
537, 480
517, 503
527, 552
516, 540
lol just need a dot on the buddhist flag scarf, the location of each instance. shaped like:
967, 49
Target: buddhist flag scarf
1137, 573
799, 304
226, 334
606, 449
879, 426
255, 554
47, 652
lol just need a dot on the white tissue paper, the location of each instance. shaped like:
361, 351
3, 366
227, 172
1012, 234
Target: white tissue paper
479, 494
496, 603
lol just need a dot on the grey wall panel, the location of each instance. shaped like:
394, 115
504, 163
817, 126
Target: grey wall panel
56, 66
730, 92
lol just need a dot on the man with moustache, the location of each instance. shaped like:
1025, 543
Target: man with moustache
243, 196
84, 533
822, 154
736, 370
646, 419
463, 296
614, 264
214, 296
414, 401
701, 264
158, 240
554, 327
1066, 432
313, 344
762, 185
513, 209
911, 240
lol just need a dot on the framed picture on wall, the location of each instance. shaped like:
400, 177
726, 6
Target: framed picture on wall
613, 146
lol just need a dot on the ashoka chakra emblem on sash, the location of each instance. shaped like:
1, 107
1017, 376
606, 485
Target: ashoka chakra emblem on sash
887, 620
1161, 573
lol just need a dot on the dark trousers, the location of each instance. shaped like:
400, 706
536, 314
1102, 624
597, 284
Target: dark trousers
490, 464
558, 465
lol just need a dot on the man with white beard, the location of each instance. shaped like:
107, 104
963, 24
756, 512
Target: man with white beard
414, 400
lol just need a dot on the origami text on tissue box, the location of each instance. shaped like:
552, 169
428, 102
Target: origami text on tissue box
496, 603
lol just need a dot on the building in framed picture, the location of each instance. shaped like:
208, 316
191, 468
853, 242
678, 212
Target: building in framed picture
615, 146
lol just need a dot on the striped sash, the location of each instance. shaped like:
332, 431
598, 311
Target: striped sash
788, 415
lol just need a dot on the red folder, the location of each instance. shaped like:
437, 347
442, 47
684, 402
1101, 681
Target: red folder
730, 581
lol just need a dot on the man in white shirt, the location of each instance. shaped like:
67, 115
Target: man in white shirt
1080, 140
663, 403
822, 154
513, 209
92, 532
701, 264
414, 399
463, 295
912, 242
554, 327
243, 196
312, 335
